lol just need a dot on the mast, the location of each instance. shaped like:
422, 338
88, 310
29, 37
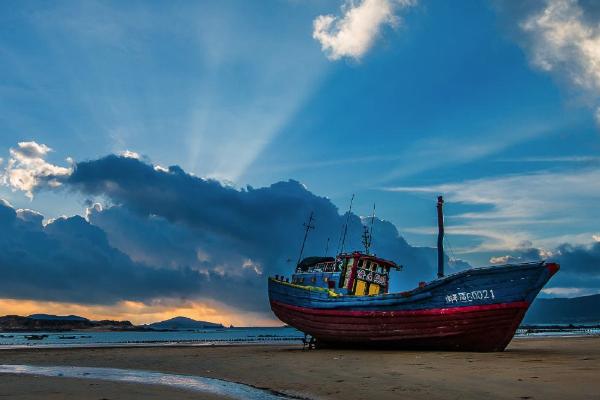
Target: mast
367, 237
346, 225
371, 231
440, 240
307, 227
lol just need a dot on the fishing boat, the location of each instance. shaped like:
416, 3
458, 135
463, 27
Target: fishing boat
345, 301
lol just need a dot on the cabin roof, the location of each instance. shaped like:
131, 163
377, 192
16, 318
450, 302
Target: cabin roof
310, 261
364, 256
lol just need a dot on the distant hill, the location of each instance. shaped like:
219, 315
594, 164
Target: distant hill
576, 310
183, 323
44, 322
58, 317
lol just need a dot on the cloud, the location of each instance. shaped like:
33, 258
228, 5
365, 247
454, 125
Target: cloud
515, 208
130, 154
31, 150
553, 159
184, 216
563, 41
567, 291
580, 267
353, 34
525, 254
162, 233
562, 37
70, 260
501, 259
443, 150
28, 170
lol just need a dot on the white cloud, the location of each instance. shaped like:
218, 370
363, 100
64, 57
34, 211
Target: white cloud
568, 291
548, 208
94, 208
553, 159
27, 168
30, 150
130, 154
501, 259
526, 254
353, 34
564, 42
252, 265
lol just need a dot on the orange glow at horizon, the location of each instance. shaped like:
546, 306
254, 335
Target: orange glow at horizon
141, 313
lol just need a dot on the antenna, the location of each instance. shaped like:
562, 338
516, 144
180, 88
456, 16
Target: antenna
327, 247
372, 222
307, 227
366, 239
345, 232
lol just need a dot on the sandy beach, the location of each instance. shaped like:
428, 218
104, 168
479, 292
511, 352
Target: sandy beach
544, 368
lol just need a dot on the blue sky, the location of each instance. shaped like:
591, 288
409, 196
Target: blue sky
395, 101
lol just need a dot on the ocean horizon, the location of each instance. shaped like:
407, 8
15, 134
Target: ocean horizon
221, 337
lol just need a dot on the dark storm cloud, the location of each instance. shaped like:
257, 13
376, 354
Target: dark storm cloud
580, 265
167, 233
71, 260
170, 218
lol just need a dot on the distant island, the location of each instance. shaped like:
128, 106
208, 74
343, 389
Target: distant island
62, 323
183, 323
45, 322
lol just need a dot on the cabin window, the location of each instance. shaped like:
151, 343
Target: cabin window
360, 263
361, 288
373, 288
373, 267
338, 266
347, 272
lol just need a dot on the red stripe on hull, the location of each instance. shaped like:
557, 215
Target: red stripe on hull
476, 328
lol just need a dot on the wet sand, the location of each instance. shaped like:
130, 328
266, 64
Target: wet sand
35, 387
545, 368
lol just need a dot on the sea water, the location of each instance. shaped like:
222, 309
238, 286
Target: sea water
207, 337
227, 336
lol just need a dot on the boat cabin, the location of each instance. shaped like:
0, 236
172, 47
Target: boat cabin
349, 273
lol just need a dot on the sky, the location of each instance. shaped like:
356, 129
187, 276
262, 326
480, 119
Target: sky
159, 158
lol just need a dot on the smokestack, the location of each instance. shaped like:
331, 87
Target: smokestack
440, 241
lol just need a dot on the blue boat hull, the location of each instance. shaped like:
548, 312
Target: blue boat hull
477, 309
